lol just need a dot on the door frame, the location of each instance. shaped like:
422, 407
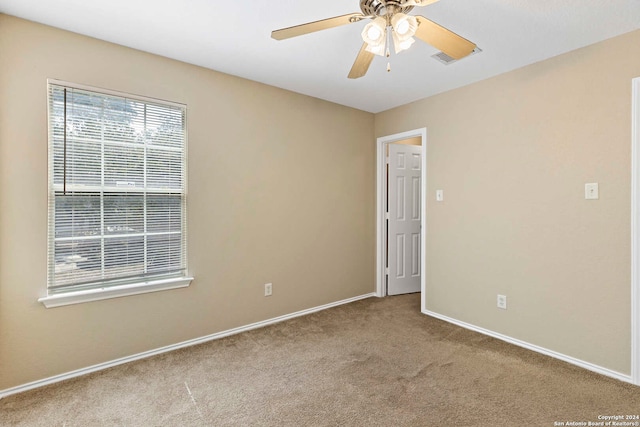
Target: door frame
635, 231
381, 201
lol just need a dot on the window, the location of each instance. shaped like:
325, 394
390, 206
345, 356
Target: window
117, 188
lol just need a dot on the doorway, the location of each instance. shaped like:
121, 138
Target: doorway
408, 262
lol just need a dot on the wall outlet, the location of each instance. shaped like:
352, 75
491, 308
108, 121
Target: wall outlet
439, 195
502, 301
268, 289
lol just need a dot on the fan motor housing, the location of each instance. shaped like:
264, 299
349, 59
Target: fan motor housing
383, 7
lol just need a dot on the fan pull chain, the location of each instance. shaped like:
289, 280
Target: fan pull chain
388, 53
388, 43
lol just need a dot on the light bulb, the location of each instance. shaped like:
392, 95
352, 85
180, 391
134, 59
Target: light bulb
376, 50
400, 45
406, 44
374, 33
402, 27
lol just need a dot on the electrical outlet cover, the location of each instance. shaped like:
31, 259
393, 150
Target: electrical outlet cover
502, 302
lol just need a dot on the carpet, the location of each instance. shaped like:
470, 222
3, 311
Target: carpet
374, 362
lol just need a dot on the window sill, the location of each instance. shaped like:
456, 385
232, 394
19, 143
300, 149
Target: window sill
78, 297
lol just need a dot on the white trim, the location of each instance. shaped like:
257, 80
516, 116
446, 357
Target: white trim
635, 231
77, 297
533, 347
188, 343
381, 202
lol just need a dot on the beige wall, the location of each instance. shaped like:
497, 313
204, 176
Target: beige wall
276, 179
512, 155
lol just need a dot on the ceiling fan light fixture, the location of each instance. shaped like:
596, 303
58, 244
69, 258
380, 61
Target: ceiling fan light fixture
376, 50
374, 32
400, 45
388, 22
405, 26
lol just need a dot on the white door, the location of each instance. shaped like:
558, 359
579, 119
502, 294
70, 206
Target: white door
403, 236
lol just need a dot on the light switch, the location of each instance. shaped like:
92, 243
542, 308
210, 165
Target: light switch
439, 195
591, 191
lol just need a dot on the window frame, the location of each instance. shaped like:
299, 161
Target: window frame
112, 288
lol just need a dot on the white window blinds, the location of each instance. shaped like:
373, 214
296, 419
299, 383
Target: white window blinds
117, 187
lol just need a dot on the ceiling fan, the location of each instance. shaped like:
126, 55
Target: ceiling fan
389, 23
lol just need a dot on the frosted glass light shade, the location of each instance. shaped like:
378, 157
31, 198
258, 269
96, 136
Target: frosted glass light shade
404, 26
376, 50
374, 32
400, 45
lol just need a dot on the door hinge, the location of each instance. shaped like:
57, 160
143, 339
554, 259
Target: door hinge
386, 271
386, 215
386, 160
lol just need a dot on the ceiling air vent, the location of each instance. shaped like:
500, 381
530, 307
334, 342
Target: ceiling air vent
446, 59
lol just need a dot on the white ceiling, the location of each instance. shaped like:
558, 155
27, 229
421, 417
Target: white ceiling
234, 37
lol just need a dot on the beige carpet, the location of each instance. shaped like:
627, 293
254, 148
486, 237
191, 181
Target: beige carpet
376, 362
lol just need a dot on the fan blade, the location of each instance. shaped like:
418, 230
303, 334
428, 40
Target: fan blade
418, 3
361, 65
311, 27
439, 37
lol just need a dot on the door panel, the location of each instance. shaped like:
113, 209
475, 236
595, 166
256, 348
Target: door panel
415, 255
404, 219
400, 205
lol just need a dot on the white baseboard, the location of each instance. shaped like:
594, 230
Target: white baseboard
195, 341
533, 347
